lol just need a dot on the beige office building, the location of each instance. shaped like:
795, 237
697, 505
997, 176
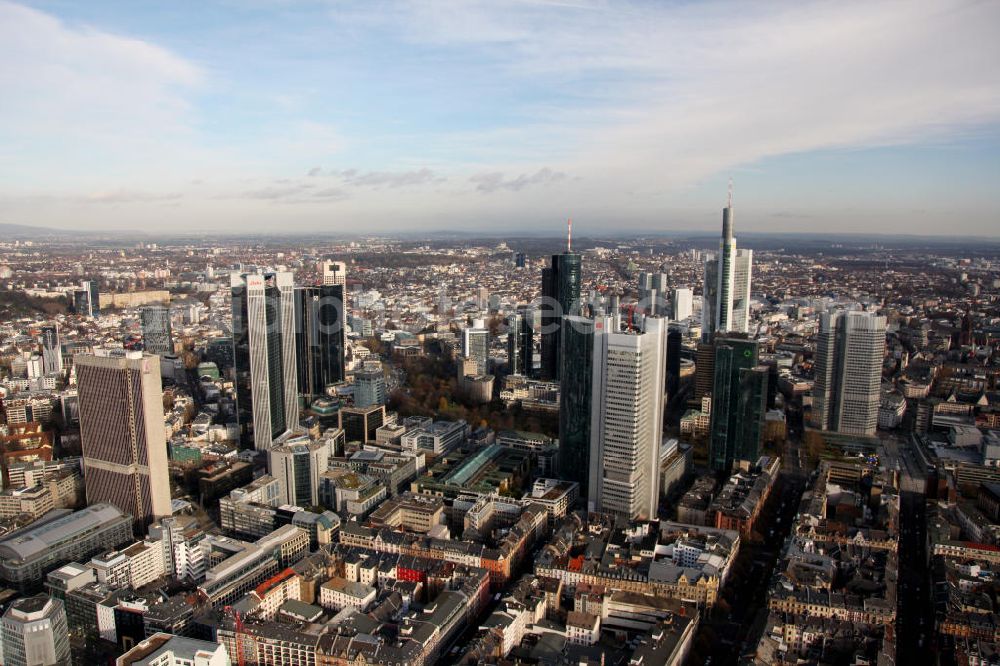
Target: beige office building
123, 437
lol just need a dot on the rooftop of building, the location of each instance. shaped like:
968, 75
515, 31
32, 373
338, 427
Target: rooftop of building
54, 530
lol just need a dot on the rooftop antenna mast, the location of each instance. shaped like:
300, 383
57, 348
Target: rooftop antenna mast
729, 203
569, 235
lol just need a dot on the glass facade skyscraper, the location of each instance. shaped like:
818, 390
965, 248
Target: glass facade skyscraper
52, 360
849, 350
264, 354
560, 297
726, 295
156, 329
739, 403
520, 344
575, 401
319, 337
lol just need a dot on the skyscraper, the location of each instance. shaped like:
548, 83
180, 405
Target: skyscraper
87, 299
739, 403
560, 297
849, 351
122, 433
627, 420
34, 631
674, 340
653, 292
520, 344
704, 370
726, 299
476, 345
577, 358
681, 303
264, 354
297, 464
369, 385
156, 330
52, 360
333, 272
319, 337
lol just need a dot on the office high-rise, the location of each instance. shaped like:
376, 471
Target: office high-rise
87, 299
681, 303
476, 345
704, 370
653, 288
577, 358
560, 297
726, 299
370, 386
849, 352
264, 354
298, 464
674, 340
319, 337
520, 344
34, 631
122, 434
157, 336
627, 420
52, 360
333, 272
739, 403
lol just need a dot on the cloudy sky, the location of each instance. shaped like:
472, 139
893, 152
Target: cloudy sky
266, 115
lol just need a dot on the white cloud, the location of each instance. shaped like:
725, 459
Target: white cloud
78, 78
667, 94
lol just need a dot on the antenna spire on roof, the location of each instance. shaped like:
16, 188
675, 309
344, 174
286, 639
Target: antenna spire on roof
569, 235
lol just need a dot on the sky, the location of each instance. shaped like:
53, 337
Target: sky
265, 116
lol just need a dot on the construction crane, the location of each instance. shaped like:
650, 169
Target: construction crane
240, 631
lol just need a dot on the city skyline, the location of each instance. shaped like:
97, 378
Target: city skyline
408, 117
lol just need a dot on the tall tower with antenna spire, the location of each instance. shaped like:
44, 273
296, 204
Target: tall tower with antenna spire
726, 300
560, 297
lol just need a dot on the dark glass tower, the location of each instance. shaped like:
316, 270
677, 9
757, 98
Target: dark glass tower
156, 331
577, 356
520, 344
560, 297
319, 337
87, 299
673, 361
739, 402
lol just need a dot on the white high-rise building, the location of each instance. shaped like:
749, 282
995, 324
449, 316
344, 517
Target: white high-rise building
682, 303
850, 348
627, 419
264, 349
726, 296
333, 272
